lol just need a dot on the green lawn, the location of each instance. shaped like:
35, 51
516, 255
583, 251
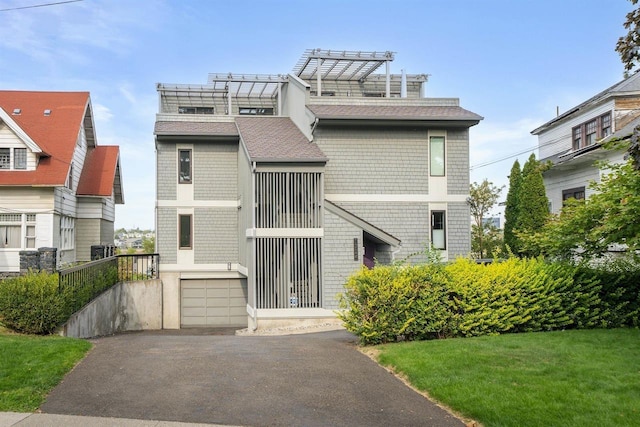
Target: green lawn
566, 378
30, 366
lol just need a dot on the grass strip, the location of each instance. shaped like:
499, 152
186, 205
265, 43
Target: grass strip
30, 366
580, 377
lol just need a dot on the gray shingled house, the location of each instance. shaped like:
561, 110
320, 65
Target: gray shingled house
273, 189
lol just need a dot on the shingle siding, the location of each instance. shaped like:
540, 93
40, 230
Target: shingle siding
459, 226
167, 168
216, 238
167, 234
458, 162
338, 260
215, 174
378, 161
406, 221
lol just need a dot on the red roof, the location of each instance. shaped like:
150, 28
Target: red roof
99, 172
56, 134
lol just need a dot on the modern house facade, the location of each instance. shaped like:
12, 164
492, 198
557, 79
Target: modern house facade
58, 188
273, 189
573, 141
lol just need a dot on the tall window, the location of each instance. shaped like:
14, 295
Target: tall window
184, 167
67, 232
588, 133
5, 158
19, 158
184, 232
438, 230
436, 156
70, 178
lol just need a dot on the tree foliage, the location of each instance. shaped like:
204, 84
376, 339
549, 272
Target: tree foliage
590, 227
511, 208
533, 204
627, 46
484, 236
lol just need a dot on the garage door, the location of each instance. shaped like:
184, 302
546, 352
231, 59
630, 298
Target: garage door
213, 302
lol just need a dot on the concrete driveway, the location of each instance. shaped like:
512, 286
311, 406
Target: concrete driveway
317, 379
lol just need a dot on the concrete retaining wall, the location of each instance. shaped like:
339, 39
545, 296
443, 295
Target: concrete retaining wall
128, 306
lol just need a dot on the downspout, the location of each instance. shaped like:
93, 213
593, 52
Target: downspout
253, 247
393, 253
313, 127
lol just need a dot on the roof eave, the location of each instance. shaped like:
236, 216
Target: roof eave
413, 121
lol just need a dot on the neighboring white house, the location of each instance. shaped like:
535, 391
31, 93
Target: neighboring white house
58, 188
273, 189
573, 140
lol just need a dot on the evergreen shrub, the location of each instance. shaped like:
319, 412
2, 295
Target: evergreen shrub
464, 299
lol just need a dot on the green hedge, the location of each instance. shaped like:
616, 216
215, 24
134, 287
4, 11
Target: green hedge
34, 303
31, 303
465, 299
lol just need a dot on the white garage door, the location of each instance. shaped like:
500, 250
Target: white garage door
213, 302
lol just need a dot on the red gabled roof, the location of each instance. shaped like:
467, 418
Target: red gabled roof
99, 172
56, 134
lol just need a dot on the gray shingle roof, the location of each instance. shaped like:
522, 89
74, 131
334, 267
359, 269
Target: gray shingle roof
392, 112
630, 85
196, 128
277, 139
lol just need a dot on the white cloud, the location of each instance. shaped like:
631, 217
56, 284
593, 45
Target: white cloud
101, 113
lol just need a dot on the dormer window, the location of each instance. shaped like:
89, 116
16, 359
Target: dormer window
13, 156
5, 158
19, 158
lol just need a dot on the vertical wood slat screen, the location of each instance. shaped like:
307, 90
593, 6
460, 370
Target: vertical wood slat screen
288, 268
288, 200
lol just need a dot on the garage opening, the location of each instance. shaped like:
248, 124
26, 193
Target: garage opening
213, 302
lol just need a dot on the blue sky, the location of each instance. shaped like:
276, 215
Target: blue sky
511, 61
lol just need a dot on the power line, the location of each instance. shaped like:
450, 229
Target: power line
511, 156
39, 5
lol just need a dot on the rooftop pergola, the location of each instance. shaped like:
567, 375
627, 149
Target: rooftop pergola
346, 66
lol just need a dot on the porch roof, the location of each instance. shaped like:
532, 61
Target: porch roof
276, 139
362, 224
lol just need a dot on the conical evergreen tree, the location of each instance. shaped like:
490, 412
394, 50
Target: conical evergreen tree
533, 205
511, 208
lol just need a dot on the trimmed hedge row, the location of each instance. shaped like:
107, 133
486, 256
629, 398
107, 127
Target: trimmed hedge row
34, 304
465, 299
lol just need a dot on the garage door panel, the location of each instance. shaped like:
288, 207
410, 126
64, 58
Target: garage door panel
218, 293
213, 302
193, 292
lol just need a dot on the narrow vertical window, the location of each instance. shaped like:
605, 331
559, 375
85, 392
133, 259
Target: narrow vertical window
184, 232
19, 158
184, 167
438, 230
605, 124
577, 138
70, 178
436, 156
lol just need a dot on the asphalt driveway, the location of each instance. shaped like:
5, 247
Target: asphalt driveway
317, 379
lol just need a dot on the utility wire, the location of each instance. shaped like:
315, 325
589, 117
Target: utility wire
511, 156
39, 5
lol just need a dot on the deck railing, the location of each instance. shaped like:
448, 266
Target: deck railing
86, 281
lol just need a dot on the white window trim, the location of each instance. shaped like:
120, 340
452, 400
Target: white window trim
25, 220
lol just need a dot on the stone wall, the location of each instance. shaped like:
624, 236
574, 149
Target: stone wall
43, 259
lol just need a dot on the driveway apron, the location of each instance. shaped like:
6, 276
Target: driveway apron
317, 379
